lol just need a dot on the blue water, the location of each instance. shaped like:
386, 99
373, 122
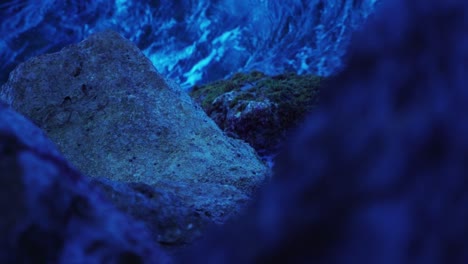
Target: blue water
192, 41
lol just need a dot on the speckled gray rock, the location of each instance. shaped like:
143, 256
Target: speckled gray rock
172, 224
112, 115
49, 211
215, 201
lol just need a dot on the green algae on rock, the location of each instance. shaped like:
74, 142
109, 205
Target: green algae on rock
257, 108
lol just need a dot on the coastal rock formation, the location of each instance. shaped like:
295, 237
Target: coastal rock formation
376, 174
112, 115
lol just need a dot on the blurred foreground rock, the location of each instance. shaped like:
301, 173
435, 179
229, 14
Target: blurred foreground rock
379, 172
112, 115
50, 213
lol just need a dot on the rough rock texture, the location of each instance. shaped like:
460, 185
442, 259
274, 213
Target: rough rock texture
257, 108
51, 214
112, 115
171, 223
379, 173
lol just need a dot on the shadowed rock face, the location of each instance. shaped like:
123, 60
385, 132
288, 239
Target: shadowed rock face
51, 214
379, 173
172, 224
112, 115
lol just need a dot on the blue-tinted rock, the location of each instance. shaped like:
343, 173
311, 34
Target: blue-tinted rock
259, 109
113, 115
50, 213
378, 174
171, 222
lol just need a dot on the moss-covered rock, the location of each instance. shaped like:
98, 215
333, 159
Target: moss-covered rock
257, 108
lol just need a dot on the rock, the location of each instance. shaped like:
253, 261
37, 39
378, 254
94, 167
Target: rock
257, 108
171, 223
50, 212
112, 115
378, 173
186, 208
210, 200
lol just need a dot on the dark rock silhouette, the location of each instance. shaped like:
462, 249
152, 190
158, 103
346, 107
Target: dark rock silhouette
50, 212
379, 173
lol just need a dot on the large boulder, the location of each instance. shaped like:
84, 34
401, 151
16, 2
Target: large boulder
379, 172
50, 213
112, 115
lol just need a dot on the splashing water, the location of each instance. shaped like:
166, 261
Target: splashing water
192, 41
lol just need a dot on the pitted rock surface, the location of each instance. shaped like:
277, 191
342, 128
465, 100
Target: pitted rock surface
112, 115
